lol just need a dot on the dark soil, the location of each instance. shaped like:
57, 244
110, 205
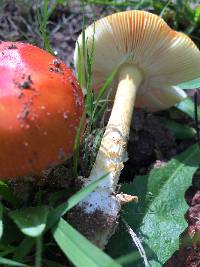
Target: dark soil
150, 145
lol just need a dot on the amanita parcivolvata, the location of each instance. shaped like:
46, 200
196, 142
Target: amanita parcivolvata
41, 105
152, 59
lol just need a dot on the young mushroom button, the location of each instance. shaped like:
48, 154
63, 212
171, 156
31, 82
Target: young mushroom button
151, 59
40, 108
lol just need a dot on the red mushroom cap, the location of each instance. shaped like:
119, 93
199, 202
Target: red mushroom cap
41, 105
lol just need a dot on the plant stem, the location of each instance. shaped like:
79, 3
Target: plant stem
38, 254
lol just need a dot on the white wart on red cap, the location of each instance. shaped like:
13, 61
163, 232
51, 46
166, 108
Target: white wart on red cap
165, 57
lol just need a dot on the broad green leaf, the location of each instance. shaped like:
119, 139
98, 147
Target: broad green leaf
8, 262
187, 106
1, 222
31, 221
158, 217
78, 249
190, 85
55, 215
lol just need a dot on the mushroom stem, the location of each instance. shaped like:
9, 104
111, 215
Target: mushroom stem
112, 154
129, 79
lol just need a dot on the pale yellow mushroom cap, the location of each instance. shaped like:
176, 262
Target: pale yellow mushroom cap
165, 57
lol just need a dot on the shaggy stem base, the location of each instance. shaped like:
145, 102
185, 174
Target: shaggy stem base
112, 152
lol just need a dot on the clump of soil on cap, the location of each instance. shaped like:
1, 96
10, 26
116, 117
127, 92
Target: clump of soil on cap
151, 145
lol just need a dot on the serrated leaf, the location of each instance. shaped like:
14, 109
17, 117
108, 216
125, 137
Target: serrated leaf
158, 218
78, 249
194, 84
31, 221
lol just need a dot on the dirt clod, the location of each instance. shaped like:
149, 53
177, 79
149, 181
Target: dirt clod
149, 142
94, 223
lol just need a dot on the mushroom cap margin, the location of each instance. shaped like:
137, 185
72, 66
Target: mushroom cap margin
166, 57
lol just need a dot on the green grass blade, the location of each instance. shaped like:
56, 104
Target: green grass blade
7, 252
8, 262
80, 63
23, 248
42, 17
165, 8
103, 90
99, 114
90, 95
77, 145
45, 12
112, 3
129, 258
78, 249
